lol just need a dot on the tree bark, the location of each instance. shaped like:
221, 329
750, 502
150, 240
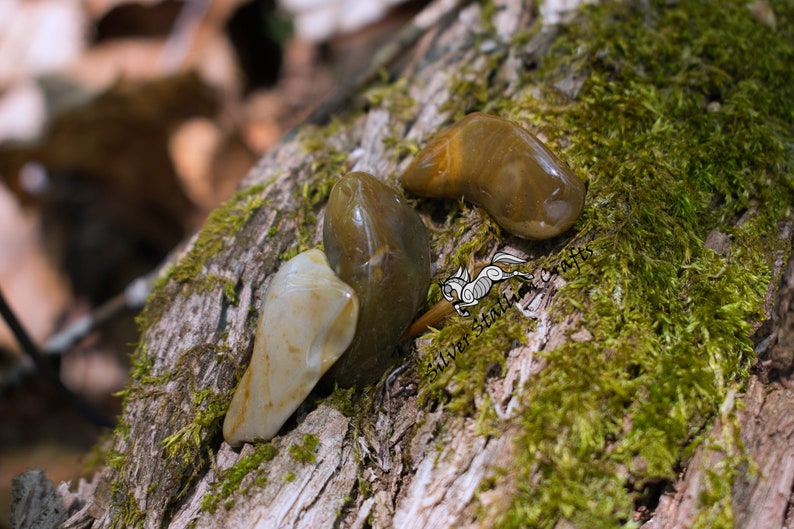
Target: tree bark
422, 466
763, 493
412, 483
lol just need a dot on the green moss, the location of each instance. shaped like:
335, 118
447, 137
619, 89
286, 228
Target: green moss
344, 400
141, 364
346, 502
187, 449
399, 147
210, 282
670, 319
732, 460
684, 124
129, 514
489, 9
229, 480
364, 488
328, 166
147, 384
472, 88
466, 235
466, 351
186, 443
221, 224
304, 453
185, 446
394, 98
115, 460
289, 477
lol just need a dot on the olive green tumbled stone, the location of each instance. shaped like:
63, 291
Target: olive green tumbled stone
377, 244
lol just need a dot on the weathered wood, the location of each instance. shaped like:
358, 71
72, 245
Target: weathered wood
38, 506
34, 502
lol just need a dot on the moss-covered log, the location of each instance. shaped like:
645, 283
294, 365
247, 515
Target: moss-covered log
578, 400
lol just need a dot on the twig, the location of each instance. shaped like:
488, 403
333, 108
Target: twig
133, 297
30, 349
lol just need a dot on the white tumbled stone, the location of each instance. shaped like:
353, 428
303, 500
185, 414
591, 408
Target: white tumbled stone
307, 321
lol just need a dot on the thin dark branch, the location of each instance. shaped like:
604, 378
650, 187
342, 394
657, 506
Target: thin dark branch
133, 297
30, 349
